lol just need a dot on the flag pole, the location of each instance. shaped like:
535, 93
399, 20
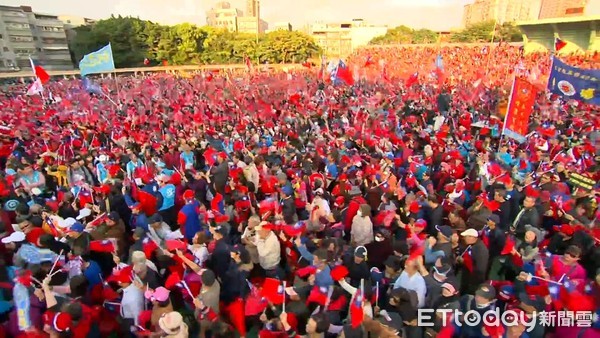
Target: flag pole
487, 67
510, 97
118, 89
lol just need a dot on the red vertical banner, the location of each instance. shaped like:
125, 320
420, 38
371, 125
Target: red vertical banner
520, 106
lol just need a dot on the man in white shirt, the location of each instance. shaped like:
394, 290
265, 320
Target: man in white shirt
411, 279
269, 250
248, 237
132, 303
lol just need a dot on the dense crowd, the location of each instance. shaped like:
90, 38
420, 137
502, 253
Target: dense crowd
275, 204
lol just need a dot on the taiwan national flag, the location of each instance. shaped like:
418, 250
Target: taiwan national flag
149, 246
106, 246
413, 79
356, 310
468, 259
484, 235
559, 44
318, 295
342, 73
273, 291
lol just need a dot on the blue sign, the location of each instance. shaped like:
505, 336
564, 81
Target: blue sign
574, 83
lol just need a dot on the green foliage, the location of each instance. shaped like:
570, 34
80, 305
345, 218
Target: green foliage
405, 35
483, 32
133, 40
480, 32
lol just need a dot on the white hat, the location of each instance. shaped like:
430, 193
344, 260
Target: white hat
67, 222
36, 191
102, 158
16, 236
83, 213
173, 325
470, 232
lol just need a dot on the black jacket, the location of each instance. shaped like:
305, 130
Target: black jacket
220, 259
288, 210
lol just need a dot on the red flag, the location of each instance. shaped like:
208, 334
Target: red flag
307, 271
254, 302
343, 73
356, 310
339, 272
40, 72
485, 237
413, 79
317, 295
509, 245
446, 331
369, 61
98, 220
103, 246
149, 246
175, 244
172, 281
272, 290
559, 44
468, 259
519, 109
85, 197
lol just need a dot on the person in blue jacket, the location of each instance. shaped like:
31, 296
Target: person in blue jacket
318, 260
188, 217
166, 201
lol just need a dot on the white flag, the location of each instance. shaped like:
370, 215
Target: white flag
35, 88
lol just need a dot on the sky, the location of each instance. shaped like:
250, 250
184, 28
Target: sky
432, 14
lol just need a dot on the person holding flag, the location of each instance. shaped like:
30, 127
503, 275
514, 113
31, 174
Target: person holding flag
474, 261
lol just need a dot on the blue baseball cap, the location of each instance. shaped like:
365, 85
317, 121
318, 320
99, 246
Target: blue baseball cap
77, 227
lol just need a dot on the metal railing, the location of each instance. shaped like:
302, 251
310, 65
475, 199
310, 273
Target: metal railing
173, 69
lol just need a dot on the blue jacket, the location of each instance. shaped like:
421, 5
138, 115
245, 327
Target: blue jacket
188, 218
168, 197
323, 277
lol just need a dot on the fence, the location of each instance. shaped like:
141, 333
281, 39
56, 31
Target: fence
135, 71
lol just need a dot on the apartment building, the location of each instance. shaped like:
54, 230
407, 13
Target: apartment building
26, 34
340, 39
224, 16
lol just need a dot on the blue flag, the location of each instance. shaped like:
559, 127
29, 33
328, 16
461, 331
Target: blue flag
574, 83
97, 62
91, 87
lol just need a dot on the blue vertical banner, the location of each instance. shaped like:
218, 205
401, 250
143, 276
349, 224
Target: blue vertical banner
99, 61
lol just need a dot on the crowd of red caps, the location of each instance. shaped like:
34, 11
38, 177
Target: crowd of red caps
278, 204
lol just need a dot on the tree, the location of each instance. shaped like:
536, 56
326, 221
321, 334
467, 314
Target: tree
508, 32
289, 47
405, 35
133, 40
484, 31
